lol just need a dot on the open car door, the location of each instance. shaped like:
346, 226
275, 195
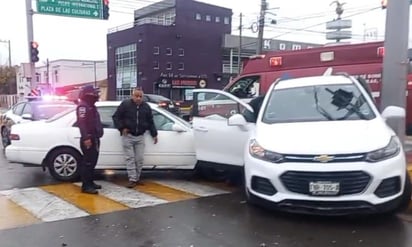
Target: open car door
215, 140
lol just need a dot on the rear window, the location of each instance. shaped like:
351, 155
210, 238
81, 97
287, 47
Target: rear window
46, 111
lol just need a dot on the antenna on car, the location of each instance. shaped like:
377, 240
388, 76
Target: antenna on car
328, 71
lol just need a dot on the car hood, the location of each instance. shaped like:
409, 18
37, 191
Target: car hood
328, 137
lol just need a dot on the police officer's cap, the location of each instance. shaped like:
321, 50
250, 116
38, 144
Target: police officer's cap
89, 90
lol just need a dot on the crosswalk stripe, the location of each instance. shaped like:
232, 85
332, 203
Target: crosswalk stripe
43, 205
164, 192
128, 197
12, 215
93, 204
192, 187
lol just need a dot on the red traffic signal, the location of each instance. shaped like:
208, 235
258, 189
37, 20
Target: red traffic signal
34, 52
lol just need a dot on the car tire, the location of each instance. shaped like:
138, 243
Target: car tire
5, 137
63, 164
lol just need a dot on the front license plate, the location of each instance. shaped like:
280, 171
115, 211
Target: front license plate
323, 188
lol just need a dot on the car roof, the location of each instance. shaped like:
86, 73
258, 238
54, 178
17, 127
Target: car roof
117, 103
313, 81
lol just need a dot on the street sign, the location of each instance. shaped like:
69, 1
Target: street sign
92, 9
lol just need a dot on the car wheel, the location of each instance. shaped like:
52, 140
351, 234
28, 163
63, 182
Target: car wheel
63, 164
5, 137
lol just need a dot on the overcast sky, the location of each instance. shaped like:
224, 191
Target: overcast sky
77, 38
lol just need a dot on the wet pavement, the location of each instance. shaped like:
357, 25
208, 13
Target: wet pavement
211, 222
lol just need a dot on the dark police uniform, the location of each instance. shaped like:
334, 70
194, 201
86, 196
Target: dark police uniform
90, 126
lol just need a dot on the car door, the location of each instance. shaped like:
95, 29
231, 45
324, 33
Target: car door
175, 147
215, 140
111, 148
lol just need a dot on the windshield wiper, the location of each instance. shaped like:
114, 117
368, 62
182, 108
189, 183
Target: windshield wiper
355, 108
320, 109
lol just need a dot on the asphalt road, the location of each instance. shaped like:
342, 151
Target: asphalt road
208, 221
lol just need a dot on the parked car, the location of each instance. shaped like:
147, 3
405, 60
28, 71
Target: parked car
319, 145
31, 109
55, 143
162, 101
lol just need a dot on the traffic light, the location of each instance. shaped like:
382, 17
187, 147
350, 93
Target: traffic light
34, 52
105, 9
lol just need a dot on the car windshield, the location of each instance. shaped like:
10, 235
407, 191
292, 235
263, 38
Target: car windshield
46, 111
317, 103
157, 98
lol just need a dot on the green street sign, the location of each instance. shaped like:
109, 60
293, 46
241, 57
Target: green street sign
92, 9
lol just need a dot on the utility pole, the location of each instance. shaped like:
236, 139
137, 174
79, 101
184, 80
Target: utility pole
30, 38
261, 26
95, 77
395, 61
239, 57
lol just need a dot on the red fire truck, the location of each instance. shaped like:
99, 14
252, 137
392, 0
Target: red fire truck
360, 60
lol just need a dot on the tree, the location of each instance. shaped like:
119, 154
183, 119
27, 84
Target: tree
8, 84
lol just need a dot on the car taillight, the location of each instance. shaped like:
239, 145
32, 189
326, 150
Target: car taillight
162, 104
14, 137
177, 103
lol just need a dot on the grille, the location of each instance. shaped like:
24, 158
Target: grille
351, 182
263, 186
335, 158
388, 187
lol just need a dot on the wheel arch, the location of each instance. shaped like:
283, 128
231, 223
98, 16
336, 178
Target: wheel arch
51, 151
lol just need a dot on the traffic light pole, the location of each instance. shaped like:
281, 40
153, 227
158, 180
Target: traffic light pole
395, 62
30, 38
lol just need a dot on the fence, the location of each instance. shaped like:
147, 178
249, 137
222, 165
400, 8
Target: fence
8, 100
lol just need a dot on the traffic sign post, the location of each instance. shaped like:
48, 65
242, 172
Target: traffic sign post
92, 9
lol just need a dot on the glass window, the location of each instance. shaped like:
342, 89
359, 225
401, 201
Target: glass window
169, 51
181, 66
46, 111
156, 50
198, 16
217, 19
181, 52
18, 109
246, 87
126, 69
317, 103
27, 109
208, 18
106, 113
169, 66
162, 122
227, 20
156, 65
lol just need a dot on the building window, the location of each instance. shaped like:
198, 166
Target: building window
198, 16
126, 69
181, 66
217, 19
37, 77
156, 65
169, 51
156, 50
227, 20
165, 18
208, 18
169, 66
56, 76
181, 52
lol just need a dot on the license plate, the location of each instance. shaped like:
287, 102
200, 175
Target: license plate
323, 188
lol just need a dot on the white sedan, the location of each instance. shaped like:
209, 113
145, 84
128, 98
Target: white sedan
318, 145
54, 143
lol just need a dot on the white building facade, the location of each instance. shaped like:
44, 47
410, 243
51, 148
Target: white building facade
62, 73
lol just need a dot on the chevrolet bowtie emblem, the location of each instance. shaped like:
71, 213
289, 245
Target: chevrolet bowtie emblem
324, 158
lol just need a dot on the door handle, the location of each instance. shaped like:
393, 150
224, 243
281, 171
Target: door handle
201, 129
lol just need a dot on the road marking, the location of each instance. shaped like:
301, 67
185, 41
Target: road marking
12, 215
192, 187
164, 192
93, 204
128, 197
43, 205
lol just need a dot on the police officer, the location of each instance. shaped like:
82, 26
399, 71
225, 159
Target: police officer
91, 130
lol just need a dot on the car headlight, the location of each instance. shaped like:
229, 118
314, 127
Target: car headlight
391, 150
259, 152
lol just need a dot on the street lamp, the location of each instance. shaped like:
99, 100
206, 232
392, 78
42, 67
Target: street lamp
9, 45
94, 67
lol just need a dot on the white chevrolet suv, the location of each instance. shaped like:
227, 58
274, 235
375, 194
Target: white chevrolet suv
316, 145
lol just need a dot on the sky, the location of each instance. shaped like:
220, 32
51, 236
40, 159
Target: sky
85, 39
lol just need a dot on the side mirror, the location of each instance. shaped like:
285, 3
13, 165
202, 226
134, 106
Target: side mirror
178, 128
237, 120
393, 112
27, 116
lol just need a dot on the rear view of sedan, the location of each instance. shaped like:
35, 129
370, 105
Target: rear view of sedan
320, 146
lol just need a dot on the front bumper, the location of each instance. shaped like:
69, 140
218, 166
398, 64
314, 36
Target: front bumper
360, 184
